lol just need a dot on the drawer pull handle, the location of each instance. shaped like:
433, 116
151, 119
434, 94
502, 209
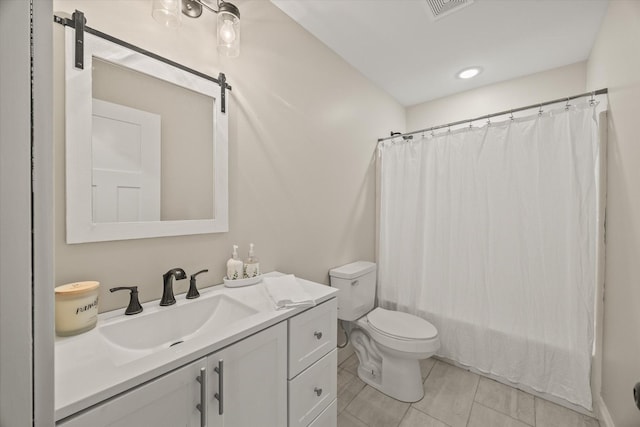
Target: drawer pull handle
202, 406
219, 395
317, 334
318, 391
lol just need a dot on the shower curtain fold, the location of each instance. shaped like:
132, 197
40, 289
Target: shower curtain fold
491, 234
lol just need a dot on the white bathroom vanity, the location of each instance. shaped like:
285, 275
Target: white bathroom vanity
227, 359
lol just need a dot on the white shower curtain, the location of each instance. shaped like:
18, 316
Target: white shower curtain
491, 234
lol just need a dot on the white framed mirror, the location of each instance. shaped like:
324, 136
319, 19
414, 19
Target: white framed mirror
146, 147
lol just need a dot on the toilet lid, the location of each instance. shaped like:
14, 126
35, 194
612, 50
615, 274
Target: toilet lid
401, 325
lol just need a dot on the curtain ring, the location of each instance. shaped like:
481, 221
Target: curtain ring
511, 115
488, 120
592, 101
567, 105
540, 111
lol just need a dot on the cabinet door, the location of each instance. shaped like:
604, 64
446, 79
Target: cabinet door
169, 401
253, 382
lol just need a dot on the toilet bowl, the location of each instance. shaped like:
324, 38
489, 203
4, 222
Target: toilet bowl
396, 343
389, 344
401, 332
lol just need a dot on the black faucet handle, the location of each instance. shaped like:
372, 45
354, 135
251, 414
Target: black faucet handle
134, 306
193, 290
193, 276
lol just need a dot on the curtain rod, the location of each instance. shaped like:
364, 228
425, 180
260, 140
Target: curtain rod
502, 113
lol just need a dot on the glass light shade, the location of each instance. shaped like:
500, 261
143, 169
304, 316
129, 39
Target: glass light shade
167, 12
228, 33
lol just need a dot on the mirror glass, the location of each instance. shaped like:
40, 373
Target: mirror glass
152, 151
146, 147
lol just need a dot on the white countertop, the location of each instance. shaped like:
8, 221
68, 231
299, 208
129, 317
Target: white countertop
85, 374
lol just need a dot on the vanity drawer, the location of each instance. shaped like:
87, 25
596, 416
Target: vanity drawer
311, 392
328, 417
312, 334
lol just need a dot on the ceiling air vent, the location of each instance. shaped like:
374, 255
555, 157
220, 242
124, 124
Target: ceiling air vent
442, 8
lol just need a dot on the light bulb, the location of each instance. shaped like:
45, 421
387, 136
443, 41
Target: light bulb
227, 33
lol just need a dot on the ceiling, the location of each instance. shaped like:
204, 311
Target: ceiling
399, 45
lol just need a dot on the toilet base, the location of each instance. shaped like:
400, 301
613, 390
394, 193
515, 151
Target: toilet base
401, 379
395, 372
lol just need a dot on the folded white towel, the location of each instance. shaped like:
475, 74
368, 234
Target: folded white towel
286, 292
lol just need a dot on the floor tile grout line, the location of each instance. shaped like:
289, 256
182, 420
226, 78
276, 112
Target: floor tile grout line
354, 396
428, 373
355, 416
429, 415
350, 400
404, 415
506, 415
475, 392
426, 413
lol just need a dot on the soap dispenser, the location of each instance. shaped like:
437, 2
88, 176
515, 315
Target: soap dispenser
234, 265
251, 264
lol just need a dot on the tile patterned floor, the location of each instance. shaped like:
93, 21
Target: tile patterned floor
453, 397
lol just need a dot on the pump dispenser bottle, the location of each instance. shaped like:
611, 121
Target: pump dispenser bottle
251, 264
234, 265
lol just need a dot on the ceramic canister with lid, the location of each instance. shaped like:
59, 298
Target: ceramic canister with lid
76, 307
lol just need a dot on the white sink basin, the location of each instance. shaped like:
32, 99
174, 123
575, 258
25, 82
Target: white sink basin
132, 337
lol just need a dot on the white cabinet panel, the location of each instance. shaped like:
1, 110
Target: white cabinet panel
313, 390
169, 401
312, 334
328, 417
253, 387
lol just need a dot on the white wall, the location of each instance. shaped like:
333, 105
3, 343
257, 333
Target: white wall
303, 131
43, 206
520, 92
16, 371
614, 63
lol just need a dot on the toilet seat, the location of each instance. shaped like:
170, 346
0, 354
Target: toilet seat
401, 332
397, 324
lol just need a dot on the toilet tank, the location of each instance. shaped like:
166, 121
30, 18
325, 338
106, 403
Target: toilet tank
357, 285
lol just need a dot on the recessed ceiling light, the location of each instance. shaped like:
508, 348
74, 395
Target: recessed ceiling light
468, 73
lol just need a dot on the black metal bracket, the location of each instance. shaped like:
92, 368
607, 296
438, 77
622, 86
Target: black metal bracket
223, 86
78, 22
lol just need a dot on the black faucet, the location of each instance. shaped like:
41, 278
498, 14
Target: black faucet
167, 289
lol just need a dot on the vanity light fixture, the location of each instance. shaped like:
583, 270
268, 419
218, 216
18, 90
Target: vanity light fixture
167, 12
228, 26
468, 73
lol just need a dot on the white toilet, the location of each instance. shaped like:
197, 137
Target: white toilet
389, 344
